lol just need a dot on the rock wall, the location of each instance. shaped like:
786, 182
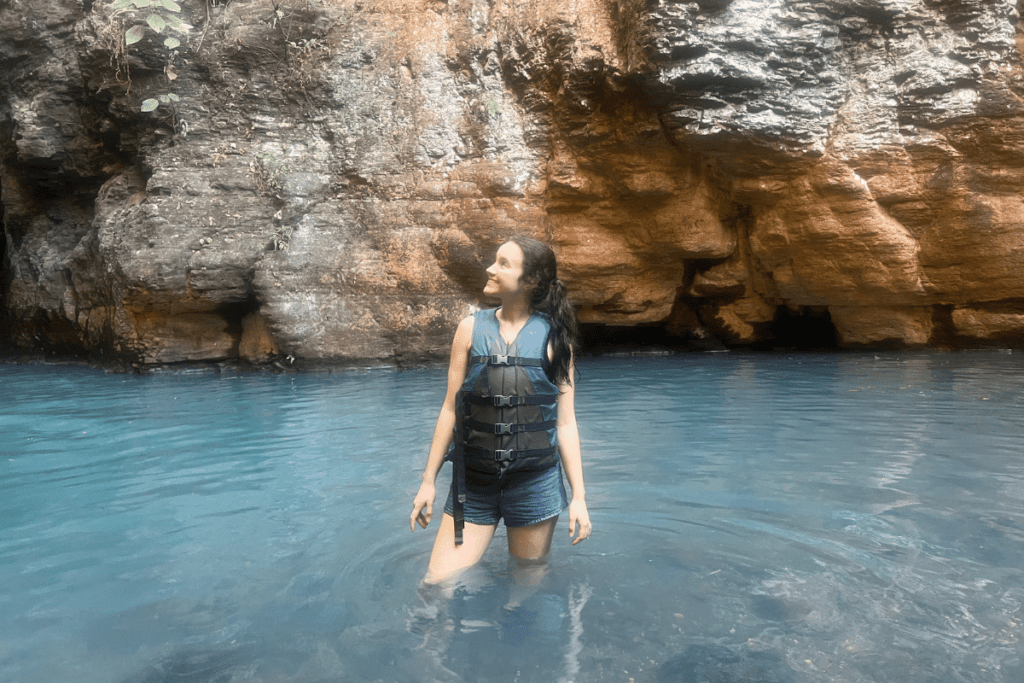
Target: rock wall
327, 179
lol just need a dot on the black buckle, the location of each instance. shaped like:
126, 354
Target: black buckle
503, 401
499, 360
503, 456
502, 428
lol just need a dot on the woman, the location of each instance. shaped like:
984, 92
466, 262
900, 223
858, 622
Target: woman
510, 412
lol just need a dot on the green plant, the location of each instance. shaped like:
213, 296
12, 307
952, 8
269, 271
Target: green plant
281, 238
268, 170
161, 17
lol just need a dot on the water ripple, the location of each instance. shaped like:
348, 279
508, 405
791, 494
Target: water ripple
819, 518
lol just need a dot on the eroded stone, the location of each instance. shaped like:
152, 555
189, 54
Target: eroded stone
332, 188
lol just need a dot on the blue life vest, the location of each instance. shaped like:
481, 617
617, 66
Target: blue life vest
506, 412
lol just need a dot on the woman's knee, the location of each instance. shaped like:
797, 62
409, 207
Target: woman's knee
529, 562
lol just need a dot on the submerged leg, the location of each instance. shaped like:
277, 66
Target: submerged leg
530, 544
529, 547
448, 560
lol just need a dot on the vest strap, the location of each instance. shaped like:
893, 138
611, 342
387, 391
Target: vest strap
506, 456
459, 475
510, 427
510, 401
497, 359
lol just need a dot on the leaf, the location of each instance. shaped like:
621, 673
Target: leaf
134, 34
173, 98
177, 24
164, 99
120, 5
142, 3
150, 104
170, 42
156, 22
171, 5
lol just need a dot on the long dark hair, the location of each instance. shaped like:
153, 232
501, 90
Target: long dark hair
550, 297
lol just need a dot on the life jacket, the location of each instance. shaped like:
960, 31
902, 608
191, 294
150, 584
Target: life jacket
506, 412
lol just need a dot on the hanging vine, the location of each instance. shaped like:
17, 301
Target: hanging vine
160, 17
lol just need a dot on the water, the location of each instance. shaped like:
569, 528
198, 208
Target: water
806, 518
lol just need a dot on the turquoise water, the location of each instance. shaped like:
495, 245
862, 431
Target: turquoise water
772, 518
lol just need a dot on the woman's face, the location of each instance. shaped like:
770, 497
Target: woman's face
504, 276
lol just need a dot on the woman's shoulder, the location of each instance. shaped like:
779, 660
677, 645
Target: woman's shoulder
484, 319
467, 324
544, 319
464, 330
482, 313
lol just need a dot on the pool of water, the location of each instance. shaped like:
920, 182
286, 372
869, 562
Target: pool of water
820, 517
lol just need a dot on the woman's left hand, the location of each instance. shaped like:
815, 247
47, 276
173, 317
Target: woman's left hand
578, 516
422, 506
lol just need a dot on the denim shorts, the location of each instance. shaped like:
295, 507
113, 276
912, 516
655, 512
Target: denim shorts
520, 498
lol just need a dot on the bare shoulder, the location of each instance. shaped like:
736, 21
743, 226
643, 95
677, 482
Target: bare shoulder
466, 325
464, 332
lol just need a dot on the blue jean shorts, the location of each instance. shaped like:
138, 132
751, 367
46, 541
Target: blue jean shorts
520, 498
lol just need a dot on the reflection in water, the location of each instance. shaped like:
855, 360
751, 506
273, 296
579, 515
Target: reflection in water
812, 518
578, 597
485, 622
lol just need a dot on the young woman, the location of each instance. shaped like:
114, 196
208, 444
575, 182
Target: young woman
508, 422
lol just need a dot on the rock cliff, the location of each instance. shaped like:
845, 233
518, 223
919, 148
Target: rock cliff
327, 179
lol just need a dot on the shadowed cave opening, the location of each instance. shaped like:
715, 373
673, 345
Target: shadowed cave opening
599, 339
235, 311
805, 329
808, 328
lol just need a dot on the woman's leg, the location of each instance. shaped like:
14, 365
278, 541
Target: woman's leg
529, 547
448, 560
530, 544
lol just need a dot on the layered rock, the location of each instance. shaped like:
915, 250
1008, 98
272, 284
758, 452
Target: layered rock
330, 177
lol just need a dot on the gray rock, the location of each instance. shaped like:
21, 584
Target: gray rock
333, 177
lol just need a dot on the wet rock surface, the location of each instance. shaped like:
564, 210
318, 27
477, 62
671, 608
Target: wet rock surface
331, 176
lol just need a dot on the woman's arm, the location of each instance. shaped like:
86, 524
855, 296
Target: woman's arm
423, 504
572, 460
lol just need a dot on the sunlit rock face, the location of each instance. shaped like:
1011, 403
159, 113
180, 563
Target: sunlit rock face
335, 175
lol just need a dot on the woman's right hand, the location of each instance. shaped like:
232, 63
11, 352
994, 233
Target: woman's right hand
422, 506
